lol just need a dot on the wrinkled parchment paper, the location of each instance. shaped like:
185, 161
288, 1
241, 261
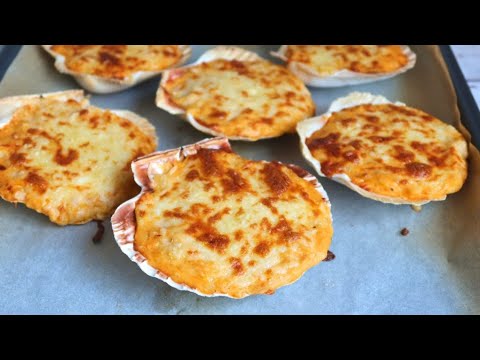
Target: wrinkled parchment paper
46, 269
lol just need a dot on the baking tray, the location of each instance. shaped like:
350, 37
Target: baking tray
46, 269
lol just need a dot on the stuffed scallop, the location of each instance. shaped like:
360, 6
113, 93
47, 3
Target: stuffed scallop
214, 223
111, 68
385, 151
234, 93
341, 65
67, 159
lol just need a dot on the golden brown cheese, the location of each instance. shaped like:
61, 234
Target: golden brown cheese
241, 99
68, 160
368, 59
222, 224
118, 61
394, 151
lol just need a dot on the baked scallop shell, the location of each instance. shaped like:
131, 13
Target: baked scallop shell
105, 85
145, 169
343, 77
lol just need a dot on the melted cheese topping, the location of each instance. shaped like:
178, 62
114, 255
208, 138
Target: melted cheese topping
69, 161
391, 150
328, 59
219, 223
118, 61
251, 99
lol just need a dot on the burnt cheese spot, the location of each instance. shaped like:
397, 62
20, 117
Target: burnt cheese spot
238, 235
17, 158
427, 118
268, 202
380, 139
403, 155
199, 209
239, 67
209, 163
351, 156
418, 170
218, 113
262, 249
348, 121
39, 132
175, 213
234, 182
108, 58
275, 178
169, 52
214, 241
94, 121
285, 232
357, 144
38, 182
208, 235
218, 216
237, 266
67, 159
439, 161
330, 168
2, 168
299, 171
329, 143
372, 119
192, 175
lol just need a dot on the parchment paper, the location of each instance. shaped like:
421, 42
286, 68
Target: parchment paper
46, 269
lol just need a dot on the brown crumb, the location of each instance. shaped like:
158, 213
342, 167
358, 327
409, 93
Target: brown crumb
404, 232
99, 234
416, 208
330, 256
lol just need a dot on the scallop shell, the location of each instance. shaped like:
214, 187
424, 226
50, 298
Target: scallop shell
144, 170
342, 77
307, 127
102, 85
220, 52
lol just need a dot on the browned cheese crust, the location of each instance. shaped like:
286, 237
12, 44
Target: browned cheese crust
69, 161
117, 62
368, 59
222, 224
394, 151
241, 99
